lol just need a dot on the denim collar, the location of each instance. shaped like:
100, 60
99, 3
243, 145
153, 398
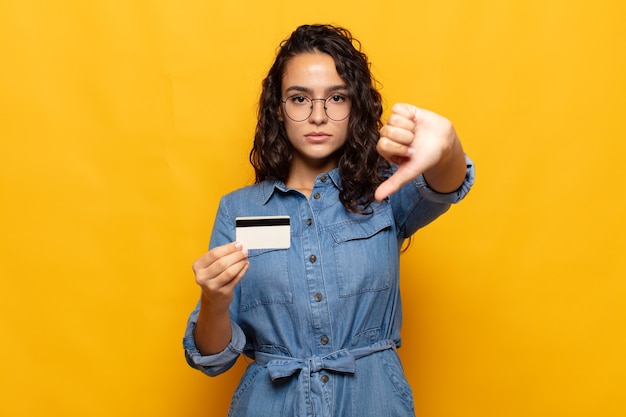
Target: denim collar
269, 187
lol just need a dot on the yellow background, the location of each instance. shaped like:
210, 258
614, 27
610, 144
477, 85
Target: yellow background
122, 122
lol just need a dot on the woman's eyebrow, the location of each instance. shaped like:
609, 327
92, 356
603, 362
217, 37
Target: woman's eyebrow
327, 90
338, 87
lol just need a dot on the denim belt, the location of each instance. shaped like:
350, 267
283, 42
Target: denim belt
342, 361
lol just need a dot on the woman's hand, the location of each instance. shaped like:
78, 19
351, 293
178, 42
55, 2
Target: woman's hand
420, 142
218, 271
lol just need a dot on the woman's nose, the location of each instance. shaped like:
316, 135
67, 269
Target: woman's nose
318, 112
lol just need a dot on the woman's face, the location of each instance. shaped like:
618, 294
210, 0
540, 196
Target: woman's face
317, 138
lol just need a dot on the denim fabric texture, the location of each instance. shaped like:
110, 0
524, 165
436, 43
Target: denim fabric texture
321, 319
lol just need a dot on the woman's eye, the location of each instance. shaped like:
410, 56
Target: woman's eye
337, 98
299, 99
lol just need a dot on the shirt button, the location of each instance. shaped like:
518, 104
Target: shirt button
324, 178
316, 196
318, 297
309, 222
312, 258
324, 340
324, 378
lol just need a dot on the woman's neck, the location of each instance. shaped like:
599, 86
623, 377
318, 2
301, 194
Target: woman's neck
302, 176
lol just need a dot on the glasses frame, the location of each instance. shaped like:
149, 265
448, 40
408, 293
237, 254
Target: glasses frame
284, 101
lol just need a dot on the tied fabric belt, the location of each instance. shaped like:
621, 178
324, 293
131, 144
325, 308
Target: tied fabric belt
341, 361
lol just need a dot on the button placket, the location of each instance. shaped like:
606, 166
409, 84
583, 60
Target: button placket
315, 278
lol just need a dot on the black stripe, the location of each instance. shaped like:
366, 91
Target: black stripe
262, 222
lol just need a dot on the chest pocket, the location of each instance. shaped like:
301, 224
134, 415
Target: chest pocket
362, 254
267, 280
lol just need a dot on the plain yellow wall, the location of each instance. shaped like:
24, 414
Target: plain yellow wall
123, 122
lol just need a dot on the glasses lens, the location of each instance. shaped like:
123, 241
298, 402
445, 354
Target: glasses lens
337, 107
298, 108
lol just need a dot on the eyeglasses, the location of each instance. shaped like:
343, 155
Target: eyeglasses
299, 108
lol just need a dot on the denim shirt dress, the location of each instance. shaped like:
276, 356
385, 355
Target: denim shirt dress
321, 319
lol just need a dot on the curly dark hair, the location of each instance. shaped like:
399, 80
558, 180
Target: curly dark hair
361, 168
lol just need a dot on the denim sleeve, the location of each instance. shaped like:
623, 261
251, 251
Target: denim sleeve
416, 204
218, 363
449, 198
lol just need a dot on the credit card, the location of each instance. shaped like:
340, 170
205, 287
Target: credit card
263, 232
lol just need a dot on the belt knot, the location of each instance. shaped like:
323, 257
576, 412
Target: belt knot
341, 361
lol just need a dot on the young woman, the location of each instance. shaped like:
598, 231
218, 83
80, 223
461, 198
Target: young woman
321, 318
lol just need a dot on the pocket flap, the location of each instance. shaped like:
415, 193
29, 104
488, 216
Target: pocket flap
361, 229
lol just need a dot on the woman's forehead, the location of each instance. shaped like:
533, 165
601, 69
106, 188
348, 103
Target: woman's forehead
312, 72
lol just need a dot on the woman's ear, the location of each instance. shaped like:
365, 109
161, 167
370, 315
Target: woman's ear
279, 113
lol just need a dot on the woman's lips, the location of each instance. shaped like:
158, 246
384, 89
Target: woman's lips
317, 136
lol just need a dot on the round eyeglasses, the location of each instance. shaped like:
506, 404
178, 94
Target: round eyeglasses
299, 108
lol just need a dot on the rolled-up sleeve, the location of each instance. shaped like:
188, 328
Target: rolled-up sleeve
417, 205
218, 363
448, 198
